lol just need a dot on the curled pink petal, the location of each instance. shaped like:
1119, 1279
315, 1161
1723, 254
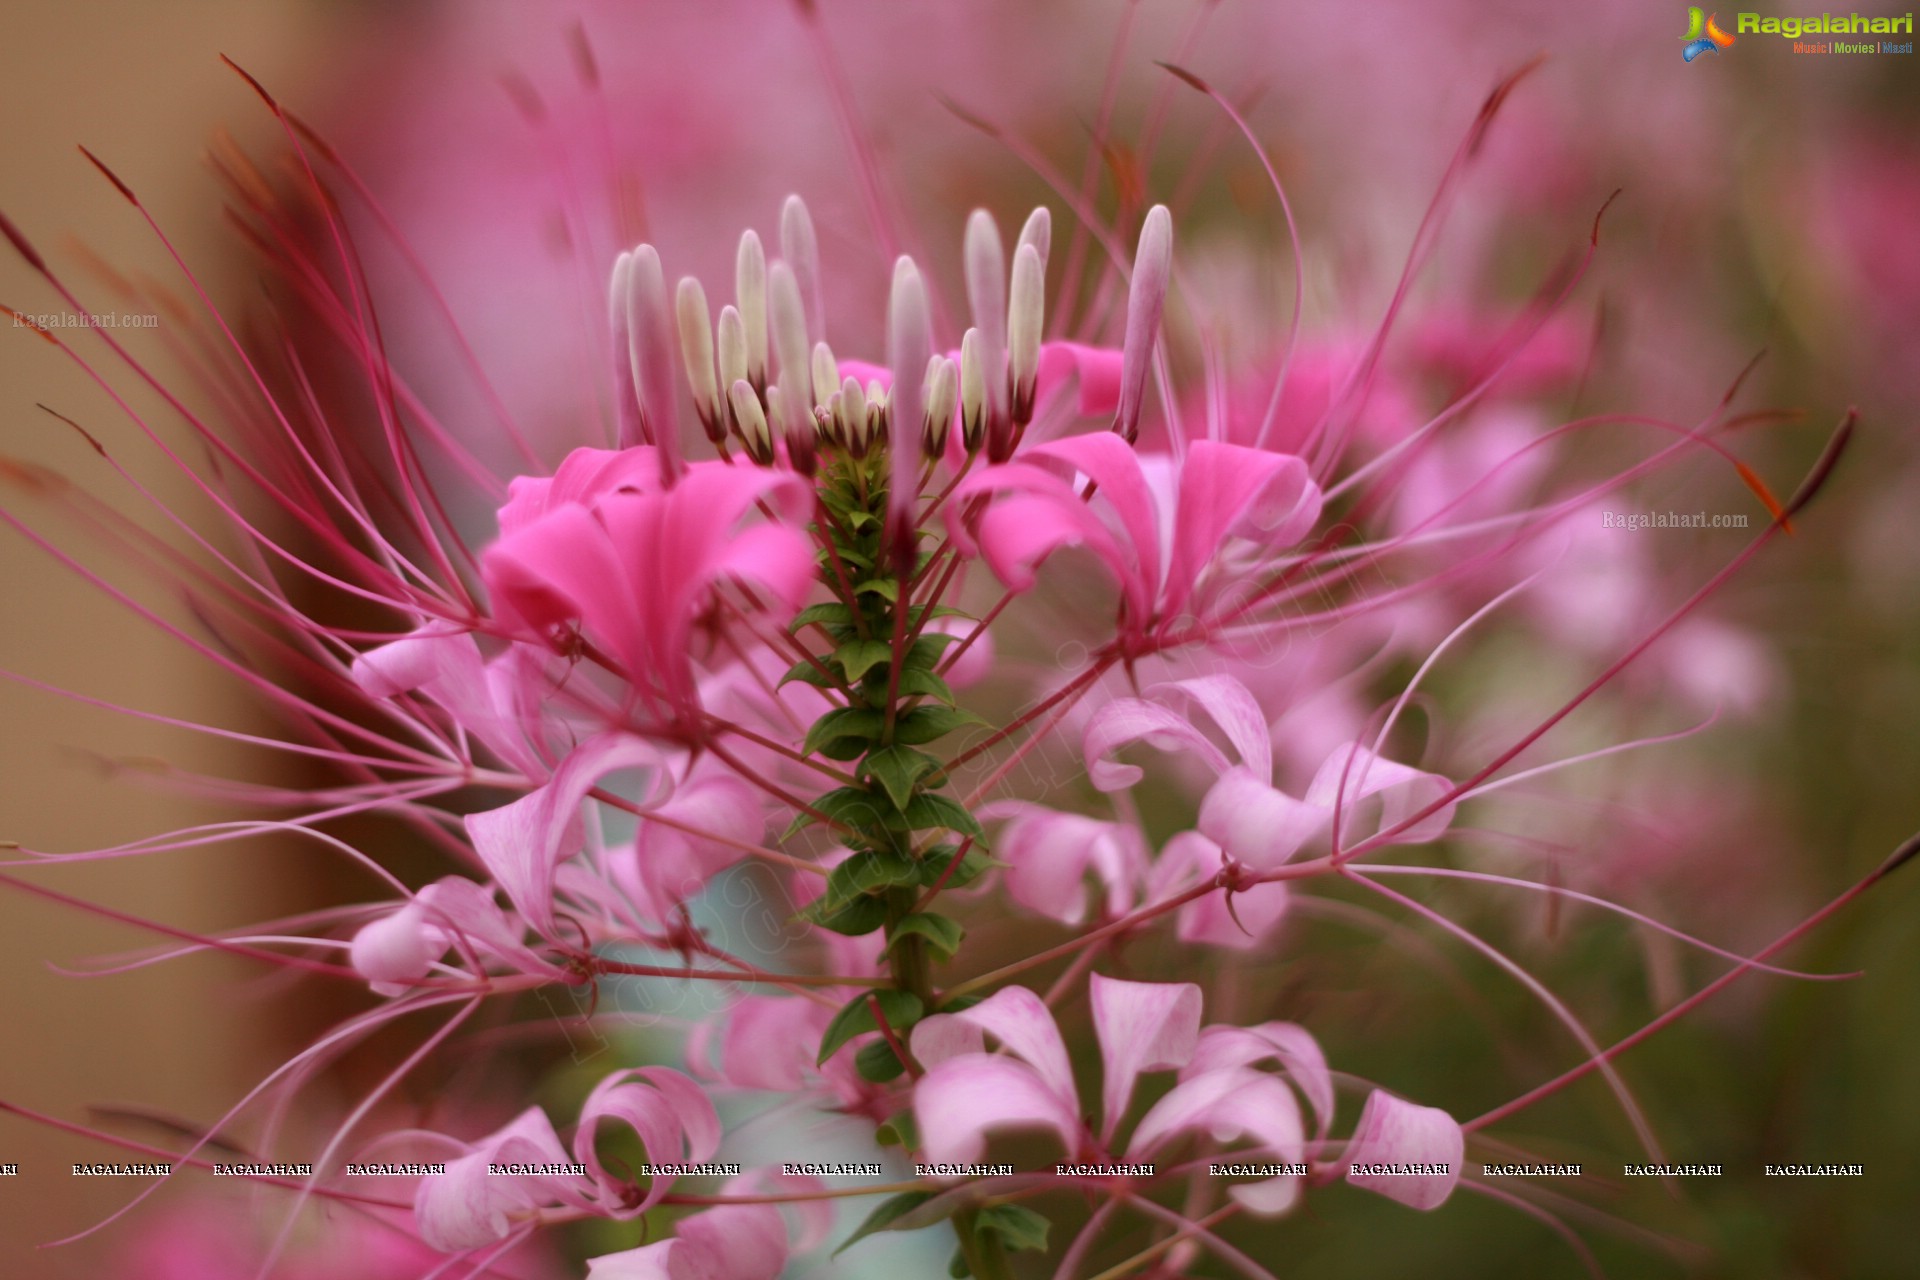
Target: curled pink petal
1050, 857
1226, 1105
1354, 773
1405, 1151
669, 1113
1128, 720
1287, 1043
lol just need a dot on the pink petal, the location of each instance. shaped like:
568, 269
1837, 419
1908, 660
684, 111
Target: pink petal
1190, 858
669, 866
972, 666
957, 1102
940, 1036
1353, 773
467, 1207
1111, 463
467, 916
1287, 1043
1128, 720
1098, 369
669, 1113
1393, 1131
738, 1241
1050, 856
522, 843
1022, 1023
1234, 708
583, 477
397, 950
1256, 823
1142, 1026
1227, 1105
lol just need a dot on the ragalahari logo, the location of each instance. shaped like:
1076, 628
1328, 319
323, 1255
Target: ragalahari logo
1703, 34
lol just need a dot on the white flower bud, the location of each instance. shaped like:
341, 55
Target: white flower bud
852, 418
1026, 315
1038, 232
1146, 300
696, 349
801, 248
751, 420
973, 393
826, 373
942, 396
750, 291
787, 321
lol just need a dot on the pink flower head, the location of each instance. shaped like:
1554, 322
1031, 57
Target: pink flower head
967, 1091
606, 555
1243, 812
1160, 542
400, 948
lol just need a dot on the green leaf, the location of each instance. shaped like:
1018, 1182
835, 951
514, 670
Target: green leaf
1018, 1227
877, 1063
957, 1266
847, 556
859, 724
943, 933
898, 769
865, 872
900, 1131
924, 724
924, 654
884, 587
928, 810
857, 657
854, 807
857, 919
810, 673
901, 1008
884, 1214
918, 682
830, 614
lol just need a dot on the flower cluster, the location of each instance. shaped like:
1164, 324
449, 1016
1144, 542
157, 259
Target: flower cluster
768, 631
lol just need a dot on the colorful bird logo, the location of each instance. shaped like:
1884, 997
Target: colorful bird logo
1703, 34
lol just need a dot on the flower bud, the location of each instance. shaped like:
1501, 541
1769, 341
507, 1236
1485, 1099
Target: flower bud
852, 418
1026, 314
750, 291
942, 395
787, 321
1146, 299
626, 397
826, 373
696, 349
973, 393
650, 340
732, 347
801, 248
751, 421
986, 265
1038, 232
